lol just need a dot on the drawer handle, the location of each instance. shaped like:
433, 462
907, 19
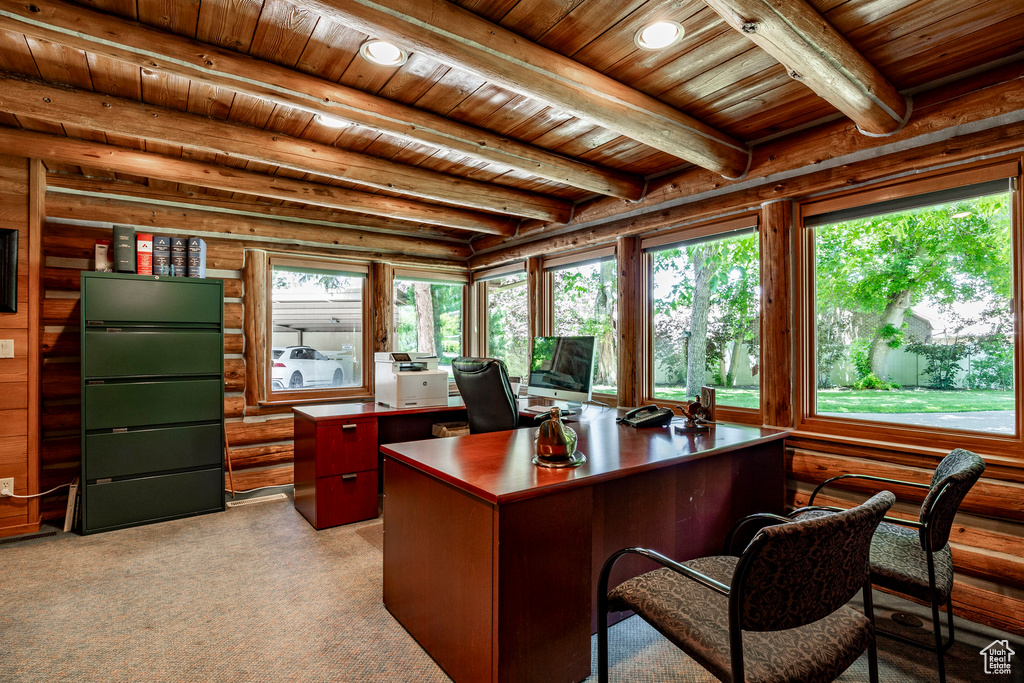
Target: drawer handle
348, 477
348, 426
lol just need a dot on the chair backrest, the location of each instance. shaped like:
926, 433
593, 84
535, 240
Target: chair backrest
953, 478
484, 385
796, 573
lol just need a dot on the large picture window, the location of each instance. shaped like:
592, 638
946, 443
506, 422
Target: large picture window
507, 321
706, 299
584, 301
317, 325
913, 310
429, 315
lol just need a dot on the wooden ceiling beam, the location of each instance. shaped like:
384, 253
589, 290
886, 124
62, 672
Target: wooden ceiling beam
78, 27
95, 111
147, 164
820, 57
182, 220
143, 194
450, 34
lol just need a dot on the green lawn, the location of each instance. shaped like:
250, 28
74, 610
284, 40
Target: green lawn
871, 401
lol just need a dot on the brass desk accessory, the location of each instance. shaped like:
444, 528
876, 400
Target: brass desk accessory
556, 444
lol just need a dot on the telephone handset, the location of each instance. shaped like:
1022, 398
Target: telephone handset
647, 416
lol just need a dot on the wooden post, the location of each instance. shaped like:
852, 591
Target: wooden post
627, 252
36, 218
382, 312
777, 313
254, 323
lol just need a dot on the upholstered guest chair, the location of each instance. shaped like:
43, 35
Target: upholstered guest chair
487, 393
913, 557
774, 614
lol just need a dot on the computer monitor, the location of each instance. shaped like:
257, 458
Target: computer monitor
562, 368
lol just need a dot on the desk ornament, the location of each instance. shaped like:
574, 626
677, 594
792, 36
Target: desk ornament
698, 417
556, 444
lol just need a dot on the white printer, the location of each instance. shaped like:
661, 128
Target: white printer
409, 380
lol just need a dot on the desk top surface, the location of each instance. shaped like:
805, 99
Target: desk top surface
329, 411
498, 467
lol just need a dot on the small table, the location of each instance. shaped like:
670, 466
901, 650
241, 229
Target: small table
490, 562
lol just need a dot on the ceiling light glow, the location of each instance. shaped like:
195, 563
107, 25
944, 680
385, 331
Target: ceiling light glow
659, 35
383, 53
330, 121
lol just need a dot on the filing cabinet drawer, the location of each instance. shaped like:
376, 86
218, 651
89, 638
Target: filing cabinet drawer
350, 446
136, 404
152, 499
144, 451
111, 352
144, 300
341, 499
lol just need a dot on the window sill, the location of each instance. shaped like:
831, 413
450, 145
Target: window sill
320, 397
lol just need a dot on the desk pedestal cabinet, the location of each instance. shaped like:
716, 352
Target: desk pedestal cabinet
336, 470
152, 399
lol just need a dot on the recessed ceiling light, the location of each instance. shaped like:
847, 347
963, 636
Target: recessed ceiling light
331, 121
383, 53
659, 35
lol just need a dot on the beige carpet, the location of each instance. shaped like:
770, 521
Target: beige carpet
256, 594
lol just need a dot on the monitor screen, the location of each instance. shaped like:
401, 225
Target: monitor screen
562, 368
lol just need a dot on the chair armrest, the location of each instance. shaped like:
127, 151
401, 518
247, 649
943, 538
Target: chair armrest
761, 519
657, 557
868, 477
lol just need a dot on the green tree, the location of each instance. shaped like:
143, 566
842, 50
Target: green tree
887, 264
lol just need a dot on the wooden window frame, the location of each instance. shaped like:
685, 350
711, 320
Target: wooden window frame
433, 276
710, 230
568, 260
1005, 449
480, 304
295, 397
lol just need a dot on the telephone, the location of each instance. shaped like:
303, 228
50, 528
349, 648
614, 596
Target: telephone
647, 416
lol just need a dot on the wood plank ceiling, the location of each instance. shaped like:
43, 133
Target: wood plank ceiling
506, 110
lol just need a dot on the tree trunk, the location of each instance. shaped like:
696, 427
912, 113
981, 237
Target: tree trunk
697, 348
893, 315
606, 354
424, 318
734, 361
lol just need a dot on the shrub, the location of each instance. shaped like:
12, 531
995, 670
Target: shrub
871, 381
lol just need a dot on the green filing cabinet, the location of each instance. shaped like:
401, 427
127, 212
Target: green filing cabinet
152, 399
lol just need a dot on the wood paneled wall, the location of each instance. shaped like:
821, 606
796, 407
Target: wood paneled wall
22, 185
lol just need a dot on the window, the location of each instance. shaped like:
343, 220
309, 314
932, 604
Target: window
584, 297
507, 320
913, 316
317, 327
705, 322
429, 314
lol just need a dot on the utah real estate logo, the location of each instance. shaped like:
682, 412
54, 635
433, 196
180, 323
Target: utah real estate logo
997, 656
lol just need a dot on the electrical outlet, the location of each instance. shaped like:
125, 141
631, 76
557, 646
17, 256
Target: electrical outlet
6, 348
7, 484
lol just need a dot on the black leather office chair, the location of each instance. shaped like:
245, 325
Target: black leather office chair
484, 385
776, 613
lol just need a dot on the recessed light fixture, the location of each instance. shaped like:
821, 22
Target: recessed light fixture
331, 121
659, 35
383, 53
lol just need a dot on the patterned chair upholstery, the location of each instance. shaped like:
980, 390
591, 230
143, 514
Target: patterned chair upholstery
777, 613
914, 558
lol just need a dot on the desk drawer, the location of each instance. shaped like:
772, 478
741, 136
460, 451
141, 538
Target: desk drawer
346, 498
349, 446
136, 404
151, 499
144, 451
112, 352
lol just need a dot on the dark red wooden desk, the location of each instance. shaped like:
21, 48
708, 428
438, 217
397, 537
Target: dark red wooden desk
490, 562
336, 446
